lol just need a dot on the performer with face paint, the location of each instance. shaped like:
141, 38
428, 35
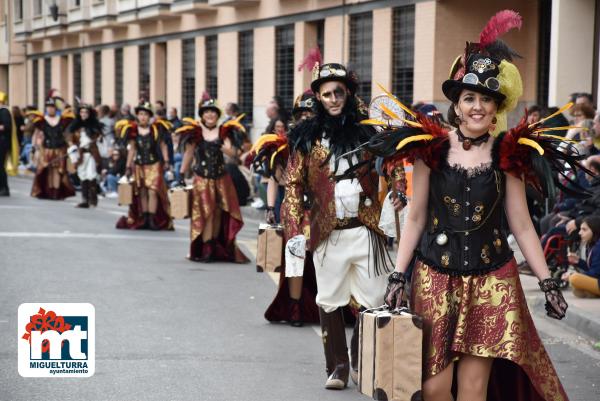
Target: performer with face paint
51, 179
348, 249
150, 206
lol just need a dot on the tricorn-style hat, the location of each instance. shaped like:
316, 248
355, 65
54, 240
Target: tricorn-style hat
333, 72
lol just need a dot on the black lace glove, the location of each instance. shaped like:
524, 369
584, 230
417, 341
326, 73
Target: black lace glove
270, 215
394, 294
556, 306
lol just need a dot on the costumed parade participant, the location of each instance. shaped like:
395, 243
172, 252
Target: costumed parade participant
51, 178
348, 249
216, 217
468, 191
9, 145
84, 154
295, 299
150, 206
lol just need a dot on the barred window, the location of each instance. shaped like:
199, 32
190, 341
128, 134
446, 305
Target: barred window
144, 71
543, 65
119, 76
246, 73
403, 51
36, 82
212, 48
77, 75
47, 76
361, 51
284, 64
97, 78
321, 37
18, 10
37, 8
188, 77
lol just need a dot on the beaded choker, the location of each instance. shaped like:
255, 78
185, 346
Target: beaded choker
468, 142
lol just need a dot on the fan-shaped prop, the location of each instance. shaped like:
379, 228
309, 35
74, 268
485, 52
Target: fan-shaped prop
384, 109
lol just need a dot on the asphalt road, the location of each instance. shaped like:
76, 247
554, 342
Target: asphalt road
170, 329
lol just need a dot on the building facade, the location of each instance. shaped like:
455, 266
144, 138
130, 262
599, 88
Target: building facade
247, 51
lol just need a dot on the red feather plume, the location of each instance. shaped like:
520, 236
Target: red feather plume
313, 56
498, 25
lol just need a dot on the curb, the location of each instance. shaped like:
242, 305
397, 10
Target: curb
574, 320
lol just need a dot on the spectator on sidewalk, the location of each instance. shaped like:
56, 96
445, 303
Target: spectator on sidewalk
115, 170
586, 283
174, 118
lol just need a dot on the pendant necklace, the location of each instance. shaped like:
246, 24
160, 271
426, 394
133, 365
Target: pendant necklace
468, 142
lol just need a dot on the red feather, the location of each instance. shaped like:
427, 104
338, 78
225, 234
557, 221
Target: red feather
498, 25
313, 56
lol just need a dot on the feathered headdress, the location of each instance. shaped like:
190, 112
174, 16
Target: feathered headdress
313, 57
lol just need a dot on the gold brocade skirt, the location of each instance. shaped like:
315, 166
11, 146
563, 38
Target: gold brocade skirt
484, 316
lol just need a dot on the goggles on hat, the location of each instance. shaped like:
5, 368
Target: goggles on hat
330, 71
490, 83
307, 104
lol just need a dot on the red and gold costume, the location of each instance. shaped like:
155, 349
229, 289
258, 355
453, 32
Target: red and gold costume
147, 173
53, 155
465, 283
212, 190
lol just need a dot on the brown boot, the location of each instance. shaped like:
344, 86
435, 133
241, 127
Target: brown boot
336, 350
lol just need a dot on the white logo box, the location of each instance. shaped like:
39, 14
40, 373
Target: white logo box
78, 364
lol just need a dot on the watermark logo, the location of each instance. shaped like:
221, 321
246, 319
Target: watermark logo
56, 340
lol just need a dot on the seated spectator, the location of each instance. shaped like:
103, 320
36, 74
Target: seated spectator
115, 170
534, 114
586, 282
583, 116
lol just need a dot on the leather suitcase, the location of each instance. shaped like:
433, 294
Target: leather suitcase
390, 355
125, 191
269, 255
179, 198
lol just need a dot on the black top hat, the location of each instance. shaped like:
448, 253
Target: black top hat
50, 102
333, 72
304, 102
146, 106
480, 75
210, 104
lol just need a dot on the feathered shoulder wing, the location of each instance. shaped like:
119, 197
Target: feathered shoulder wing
37, 118
420, 139
269, 151
543, 160
126, 130
190, 131
66, 119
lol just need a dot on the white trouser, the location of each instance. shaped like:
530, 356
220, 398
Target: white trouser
344, 267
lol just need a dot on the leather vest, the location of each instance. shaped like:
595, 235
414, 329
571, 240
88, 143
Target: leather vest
53, 136
147, 149
465, 232
209, 160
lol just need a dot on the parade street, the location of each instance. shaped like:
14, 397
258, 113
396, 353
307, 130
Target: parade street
170, 329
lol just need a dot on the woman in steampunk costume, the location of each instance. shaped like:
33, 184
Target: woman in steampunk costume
216, 217
295, 299
468, 191
150, 206
84, 154
348, 249
51, 179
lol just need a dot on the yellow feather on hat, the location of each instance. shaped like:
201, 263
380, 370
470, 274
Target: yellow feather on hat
511, 86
